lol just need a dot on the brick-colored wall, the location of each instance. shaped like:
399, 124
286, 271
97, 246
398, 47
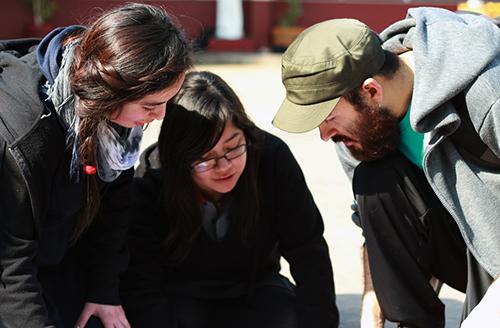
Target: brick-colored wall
198, 16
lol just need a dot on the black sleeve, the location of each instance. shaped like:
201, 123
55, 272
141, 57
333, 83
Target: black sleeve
141, 288
21, 302
300, 229
106, 249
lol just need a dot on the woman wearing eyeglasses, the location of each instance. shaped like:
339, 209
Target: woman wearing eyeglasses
218, 203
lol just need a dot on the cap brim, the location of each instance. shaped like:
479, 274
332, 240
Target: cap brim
302, 118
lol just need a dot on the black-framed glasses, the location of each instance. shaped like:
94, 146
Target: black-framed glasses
210, 163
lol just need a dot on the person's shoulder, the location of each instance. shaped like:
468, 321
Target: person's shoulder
276, 156
149, 161
20, 104
272, 143
18, 47
148, 177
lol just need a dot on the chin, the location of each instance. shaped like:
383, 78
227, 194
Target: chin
124, 124
225, 190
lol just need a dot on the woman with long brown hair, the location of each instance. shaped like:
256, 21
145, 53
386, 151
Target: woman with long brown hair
217, 203
72, 112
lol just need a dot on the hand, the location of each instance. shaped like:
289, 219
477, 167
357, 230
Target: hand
371, 314
488, 309
111, 316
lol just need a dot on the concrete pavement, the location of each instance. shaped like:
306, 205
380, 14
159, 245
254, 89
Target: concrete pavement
256, 79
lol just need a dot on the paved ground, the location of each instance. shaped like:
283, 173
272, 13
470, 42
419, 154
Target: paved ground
256, 79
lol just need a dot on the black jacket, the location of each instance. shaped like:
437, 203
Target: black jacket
290, 226
40, 204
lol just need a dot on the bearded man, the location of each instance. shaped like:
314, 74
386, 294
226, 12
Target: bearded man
415, 116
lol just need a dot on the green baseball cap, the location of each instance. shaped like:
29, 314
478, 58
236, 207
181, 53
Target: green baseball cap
324, 62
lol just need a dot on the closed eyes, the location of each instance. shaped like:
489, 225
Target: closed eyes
150, 108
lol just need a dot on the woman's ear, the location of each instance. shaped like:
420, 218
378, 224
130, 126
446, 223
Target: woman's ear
372, 90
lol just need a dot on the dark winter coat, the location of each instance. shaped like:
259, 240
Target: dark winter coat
40, 204
290, 226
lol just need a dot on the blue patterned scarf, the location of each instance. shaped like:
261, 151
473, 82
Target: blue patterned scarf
117, 148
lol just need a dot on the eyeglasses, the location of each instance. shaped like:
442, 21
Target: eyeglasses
210, 163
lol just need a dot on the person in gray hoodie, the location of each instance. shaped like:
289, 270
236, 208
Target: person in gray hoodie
415, 114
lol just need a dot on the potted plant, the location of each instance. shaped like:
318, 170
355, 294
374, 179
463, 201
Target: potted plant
287, 29
43, 11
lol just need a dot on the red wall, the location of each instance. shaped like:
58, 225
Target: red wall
198, 16
376, 15
15, 15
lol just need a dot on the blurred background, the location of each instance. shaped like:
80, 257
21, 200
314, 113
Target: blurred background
242, 42
262, 21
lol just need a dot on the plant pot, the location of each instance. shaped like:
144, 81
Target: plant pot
283, 36
38, 31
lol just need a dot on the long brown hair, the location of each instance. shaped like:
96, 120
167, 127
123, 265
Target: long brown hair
125, 54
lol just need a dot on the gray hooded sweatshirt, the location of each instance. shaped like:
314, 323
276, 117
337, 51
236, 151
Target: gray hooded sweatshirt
455, 53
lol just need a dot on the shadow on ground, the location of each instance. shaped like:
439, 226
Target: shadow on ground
349, 307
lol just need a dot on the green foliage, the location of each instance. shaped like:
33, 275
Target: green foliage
43, 10
292, 14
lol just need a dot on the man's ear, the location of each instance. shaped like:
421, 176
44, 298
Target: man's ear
372, 89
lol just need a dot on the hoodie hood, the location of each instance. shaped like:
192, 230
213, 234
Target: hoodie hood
445, 60
20, 76
49, 51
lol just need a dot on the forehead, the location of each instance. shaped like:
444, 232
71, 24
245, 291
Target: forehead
229, 131
162, 95
343, 105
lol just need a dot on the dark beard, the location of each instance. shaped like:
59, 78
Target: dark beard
378, 132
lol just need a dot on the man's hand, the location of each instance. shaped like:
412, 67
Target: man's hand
487, 312
371, 314
111, 316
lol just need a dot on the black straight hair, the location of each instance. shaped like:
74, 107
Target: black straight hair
193, 125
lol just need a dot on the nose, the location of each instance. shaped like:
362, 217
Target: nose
222, 164
159, 113
326, 130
